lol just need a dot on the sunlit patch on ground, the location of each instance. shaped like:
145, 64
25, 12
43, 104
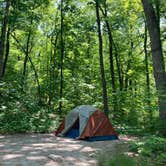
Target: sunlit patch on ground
46, 149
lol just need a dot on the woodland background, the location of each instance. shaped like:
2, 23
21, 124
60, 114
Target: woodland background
55, 55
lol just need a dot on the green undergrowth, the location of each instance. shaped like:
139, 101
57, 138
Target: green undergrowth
145, 151
21, 113
17, 121
151, 149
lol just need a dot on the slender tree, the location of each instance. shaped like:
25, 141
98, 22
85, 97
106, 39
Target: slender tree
118, 65
6, 51
104, 86
157, 55
147, 67
3, 35
27, 51
62, 57
24, 50
111, 58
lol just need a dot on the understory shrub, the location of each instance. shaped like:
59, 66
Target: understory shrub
151, 149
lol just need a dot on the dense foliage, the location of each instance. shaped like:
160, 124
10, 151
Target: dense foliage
151, 150
52, 63
57, 54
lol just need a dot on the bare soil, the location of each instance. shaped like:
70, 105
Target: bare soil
48, 150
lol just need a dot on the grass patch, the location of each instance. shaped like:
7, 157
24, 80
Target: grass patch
116, 160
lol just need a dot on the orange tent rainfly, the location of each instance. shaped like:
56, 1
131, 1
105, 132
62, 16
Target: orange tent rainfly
87, 123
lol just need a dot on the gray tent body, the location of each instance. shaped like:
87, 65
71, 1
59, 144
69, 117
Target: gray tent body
82, 113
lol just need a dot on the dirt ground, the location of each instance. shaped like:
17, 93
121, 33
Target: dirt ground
48, 150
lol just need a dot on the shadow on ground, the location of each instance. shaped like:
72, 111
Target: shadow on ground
48, 150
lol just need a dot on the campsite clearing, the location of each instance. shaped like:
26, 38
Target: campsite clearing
48, 150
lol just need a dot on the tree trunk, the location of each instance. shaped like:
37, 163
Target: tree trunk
119, 70
104, 87
26, 54
37, 79
157, 6
3, 36
147, 70
31, 62
129, 65
52, 69
157, 55
111, 45
61, 61
111, 59
7, 51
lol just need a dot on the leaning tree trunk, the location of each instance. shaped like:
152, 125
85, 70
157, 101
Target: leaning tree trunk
3, 36
157, 55
30, 60
26, 54
37, 79
104, 87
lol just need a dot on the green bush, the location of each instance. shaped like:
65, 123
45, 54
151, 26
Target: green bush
151, 148
20, 112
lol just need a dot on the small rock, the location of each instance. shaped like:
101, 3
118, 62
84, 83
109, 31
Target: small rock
56, 158
92, 155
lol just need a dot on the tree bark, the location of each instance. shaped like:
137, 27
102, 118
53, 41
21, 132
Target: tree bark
104, 86
157, 55
52, 91
119, 70
7, 51
147, 90
129, 67
157, 6
3, 36
146, 61
62, 58
37, 79
26, 54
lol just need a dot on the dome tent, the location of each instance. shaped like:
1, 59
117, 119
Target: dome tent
88, 123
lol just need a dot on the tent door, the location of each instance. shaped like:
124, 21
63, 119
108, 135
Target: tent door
74, 131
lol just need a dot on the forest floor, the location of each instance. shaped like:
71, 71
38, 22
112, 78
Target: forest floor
48, 150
